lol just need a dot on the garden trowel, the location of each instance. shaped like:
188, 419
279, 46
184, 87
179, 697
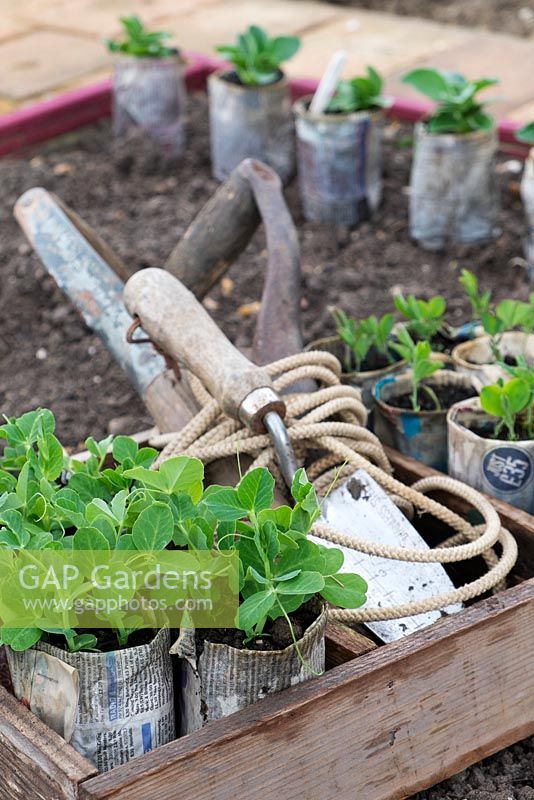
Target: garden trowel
173, 319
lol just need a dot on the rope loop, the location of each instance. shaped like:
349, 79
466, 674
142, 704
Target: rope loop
329, 426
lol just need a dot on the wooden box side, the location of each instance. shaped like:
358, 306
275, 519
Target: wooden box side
382, 726
34, 761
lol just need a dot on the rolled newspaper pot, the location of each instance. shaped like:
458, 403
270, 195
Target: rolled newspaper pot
339, 160
527, 196
221, 679
110, 706
497, 467
475, 357
419, 434
250, 122
149, 93
454, 194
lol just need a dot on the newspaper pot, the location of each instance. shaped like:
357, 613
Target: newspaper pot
364, 380
419, 434
475, 357
149, 93
500, 468
110, 706
250, 122
527, 197
454, 193
224, 679
339, 160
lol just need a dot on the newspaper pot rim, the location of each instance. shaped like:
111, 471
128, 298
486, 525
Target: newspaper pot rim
458, 352
367, 374
473, 406
403, 383
421, 130
53, 649
219, 77
301, 110
244, 652
149, 61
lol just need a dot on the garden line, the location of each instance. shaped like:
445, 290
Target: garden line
347, 445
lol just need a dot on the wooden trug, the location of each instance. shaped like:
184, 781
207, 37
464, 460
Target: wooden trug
380, 724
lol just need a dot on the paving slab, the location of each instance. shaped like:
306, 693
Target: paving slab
386, 41
100, 17
11, 26
523, 114
43, 60
219, 24
488, 55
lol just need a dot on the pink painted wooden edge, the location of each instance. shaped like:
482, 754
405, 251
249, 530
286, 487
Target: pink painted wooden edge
71, 110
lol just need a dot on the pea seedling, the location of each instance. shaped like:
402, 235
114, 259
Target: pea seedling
459, 109
506, 316
418, 356
359, 94
507, 401
425, 317
140, 42
364, 335
49, 501
480, 301
257, 57
281, 569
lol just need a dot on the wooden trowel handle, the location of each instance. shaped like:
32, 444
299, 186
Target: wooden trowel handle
174, 320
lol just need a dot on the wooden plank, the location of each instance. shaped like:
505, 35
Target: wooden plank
344, 644
519, 523
35, 763
385, 725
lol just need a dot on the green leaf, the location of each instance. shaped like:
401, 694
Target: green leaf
180, 474
255, 575
20, 639
106, 528
88, 487
89, 538
345, 590
126, 542
526, 133
82, 641
429, 82
282, 48
254, 609
148, 477
51, 456
225, 505
124, 447
305, 583
255, 491
153, 528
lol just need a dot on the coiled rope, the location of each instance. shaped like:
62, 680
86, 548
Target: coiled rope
329, 424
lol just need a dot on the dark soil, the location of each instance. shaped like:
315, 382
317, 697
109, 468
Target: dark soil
107, 639
374, 360
277, 634
505, 16
486, 430
447, 396
233, 77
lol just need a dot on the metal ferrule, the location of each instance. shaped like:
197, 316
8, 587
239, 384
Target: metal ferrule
257, 405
